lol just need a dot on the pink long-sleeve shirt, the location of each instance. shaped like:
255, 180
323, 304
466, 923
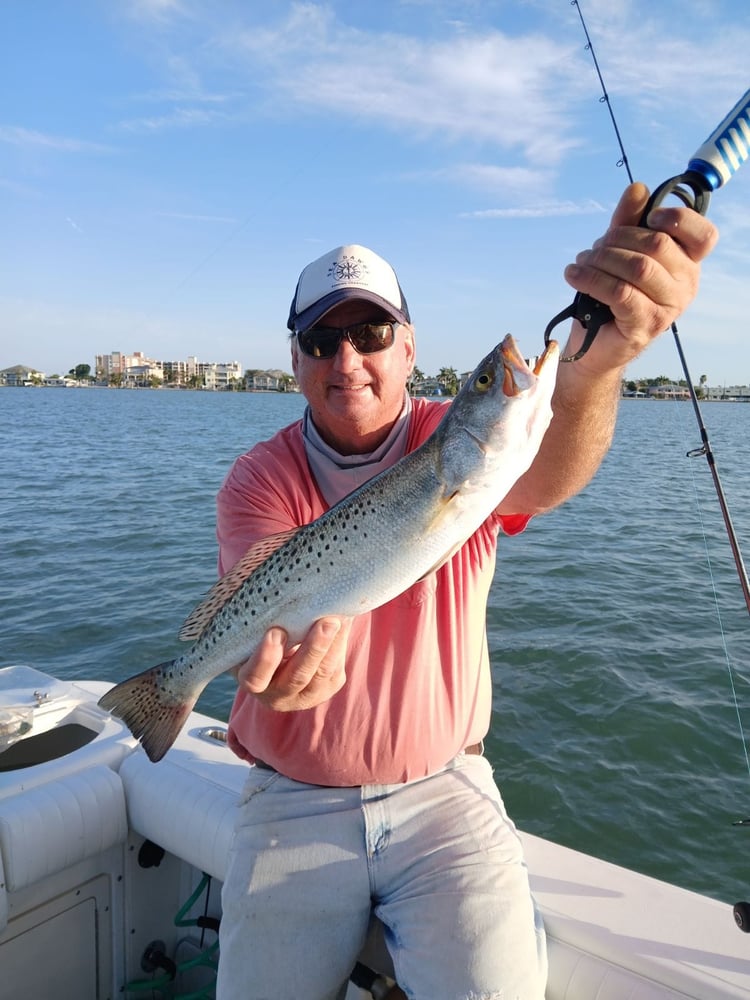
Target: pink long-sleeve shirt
418, 686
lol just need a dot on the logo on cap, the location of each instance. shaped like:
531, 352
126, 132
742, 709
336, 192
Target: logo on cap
348, 268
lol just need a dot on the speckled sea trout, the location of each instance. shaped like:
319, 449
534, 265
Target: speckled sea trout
367, 549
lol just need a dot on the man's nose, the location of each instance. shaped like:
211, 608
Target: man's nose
346, 357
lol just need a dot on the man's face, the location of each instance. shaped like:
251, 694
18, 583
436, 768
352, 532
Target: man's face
355, 398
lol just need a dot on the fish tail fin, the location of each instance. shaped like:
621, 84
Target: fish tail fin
152, 713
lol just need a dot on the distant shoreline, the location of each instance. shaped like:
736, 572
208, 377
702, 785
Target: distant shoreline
159, 388
296, 392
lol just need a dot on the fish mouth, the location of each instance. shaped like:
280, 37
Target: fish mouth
517, 375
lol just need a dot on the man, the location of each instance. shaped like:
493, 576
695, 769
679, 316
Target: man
370, 793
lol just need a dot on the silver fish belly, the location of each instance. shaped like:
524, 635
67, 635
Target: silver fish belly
364, 551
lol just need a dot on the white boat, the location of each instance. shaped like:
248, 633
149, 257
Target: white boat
111, 871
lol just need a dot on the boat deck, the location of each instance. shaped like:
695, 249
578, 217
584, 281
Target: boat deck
73, 878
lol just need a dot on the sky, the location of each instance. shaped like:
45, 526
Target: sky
167, 167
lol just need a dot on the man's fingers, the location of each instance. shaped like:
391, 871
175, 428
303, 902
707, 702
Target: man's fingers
631, 206
257, 673
696, 235
290, 679
312, 655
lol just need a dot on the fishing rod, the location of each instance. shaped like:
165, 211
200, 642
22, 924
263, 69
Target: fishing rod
712, 165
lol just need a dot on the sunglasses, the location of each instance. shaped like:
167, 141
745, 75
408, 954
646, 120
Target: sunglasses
365, 338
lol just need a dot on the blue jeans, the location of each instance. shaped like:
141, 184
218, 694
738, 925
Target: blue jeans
437, 860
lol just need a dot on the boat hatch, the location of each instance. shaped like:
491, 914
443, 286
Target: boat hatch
37, 719
54, 743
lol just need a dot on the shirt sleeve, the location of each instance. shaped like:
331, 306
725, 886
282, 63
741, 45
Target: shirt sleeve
255, 500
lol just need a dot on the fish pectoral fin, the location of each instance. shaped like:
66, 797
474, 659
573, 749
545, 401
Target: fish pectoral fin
444, 508
196, 622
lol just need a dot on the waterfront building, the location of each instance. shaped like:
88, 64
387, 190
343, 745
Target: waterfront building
21, 375
220, 376
137, 369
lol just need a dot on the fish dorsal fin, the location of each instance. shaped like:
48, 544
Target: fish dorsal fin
230, 583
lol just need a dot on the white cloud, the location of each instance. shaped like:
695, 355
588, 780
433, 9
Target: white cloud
511, 92
511, 181
177, 118
542, 210
17, 136
688, 71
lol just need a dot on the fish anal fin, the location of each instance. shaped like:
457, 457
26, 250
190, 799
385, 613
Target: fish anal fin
196, 622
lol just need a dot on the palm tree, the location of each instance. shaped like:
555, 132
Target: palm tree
448, 378
417, 376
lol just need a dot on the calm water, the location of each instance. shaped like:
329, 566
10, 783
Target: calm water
617, 625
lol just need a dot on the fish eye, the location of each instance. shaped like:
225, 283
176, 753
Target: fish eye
483, 381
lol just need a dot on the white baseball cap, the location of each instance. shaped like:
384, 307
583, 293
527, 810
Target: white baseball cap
348, 272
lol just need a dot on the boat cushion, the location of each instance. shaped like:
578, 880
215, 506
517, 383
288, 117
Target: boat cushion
45, 829
188, 816
575, 974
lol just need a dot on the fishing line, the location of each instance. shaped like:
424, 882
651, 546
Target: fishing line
717, 606
700, 191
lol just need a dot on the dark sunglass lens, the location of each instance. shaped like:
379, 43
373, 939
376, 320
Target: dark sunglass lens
319, 342
369, 338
